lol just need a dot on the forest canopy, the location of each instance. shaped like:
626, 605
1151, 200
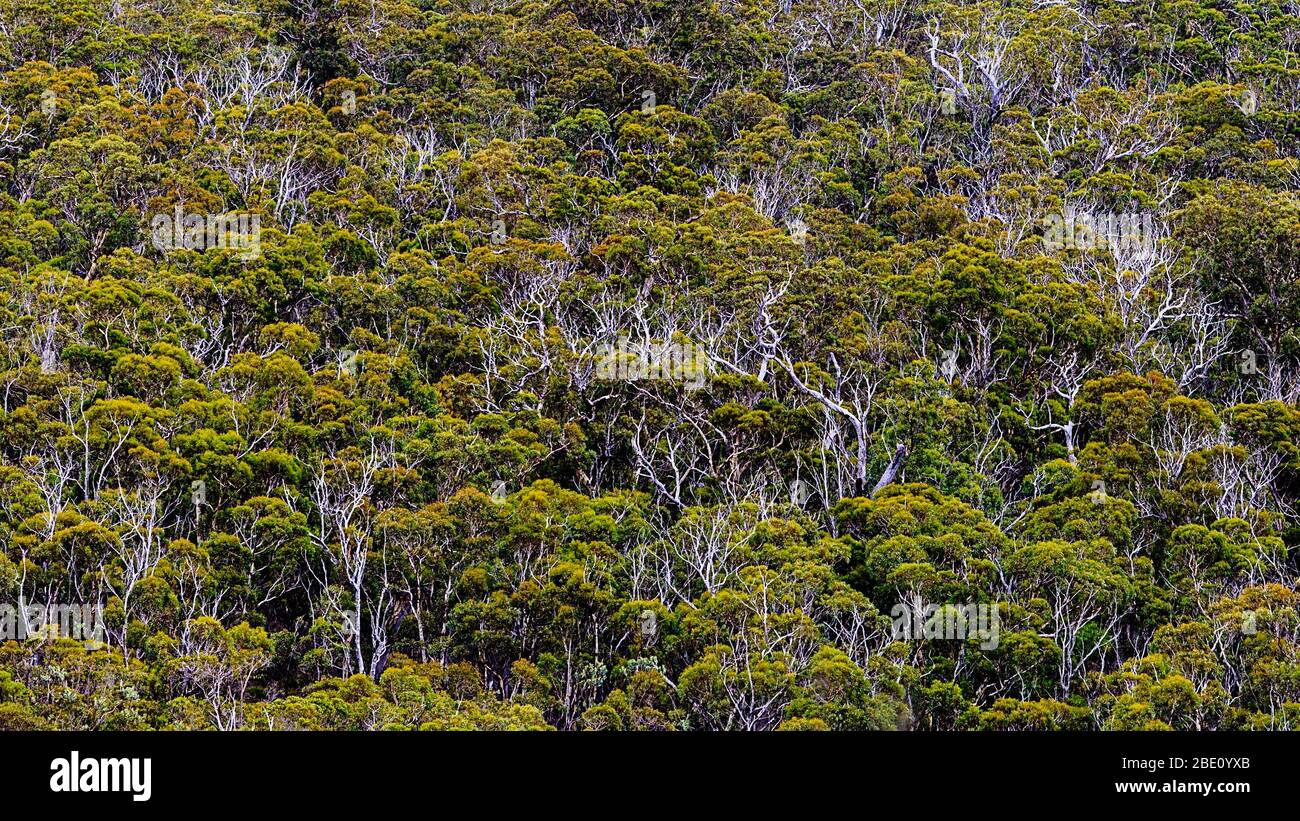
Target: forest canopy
649, 364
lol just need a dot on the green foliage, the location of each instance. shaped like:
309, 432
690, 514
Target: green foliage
376, 471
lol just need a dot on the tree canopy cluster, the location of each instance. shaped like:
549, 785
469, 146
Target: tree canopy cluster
373, 475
